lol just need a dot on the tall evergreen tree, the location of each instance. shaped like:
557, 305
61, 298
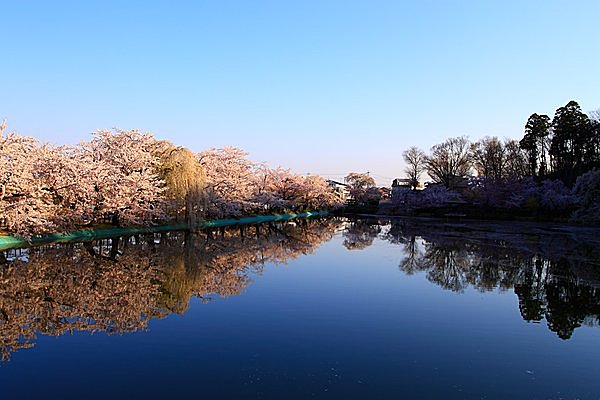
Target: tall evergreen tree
572, 132
534, 143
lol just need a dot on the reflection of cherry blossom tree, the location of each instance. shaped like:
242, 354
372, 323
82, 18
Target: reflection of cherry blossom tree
360, 234
63, 289
117, 285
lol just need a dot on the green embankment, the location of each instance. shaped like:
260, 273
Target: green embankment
15, 242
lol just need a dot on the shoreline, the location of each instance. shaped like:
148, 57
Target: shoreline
488, 225
15, 242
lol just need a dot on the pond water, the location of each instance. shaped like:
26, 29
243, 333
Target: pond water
324, 308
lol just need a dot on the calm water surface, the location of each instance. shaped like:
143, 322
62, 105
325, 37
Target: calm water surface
328, 308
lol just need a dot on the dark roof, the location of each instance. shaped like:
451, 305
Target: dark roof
336, 182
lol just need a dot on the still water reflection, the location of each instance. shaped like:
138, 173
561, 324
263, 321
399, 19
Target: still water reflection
118, 285
357, 312
555, 272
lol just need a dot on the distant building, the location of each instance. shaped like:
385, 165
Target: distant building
454, 183
402, 183
342, 189
400, 189
385, 193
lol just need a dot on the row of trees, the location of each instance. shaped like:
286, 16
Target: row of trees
235, 186
129, 178
456, 159
555, 165
562, 148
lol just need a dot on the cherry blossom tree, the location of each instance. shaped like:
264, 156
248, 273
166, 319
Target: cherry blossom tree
267, 192
362, 188
555, 196
125, 183
230, 180
283, 185
237, 186
317, 194
587, 189
40, 187
23, 204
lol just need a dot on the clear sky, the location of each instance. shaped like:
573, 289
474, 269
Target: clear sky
323, 87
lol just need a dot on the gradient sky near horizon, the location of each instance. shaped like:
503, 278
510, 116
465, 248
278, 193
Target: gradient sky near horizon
322, 87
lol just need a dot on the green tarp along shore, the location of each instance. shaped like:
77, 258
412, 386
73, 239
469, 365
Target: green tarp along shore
15, 242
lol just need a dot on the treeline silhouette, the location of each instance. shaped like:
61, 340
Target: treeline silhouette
565, 147
553, 171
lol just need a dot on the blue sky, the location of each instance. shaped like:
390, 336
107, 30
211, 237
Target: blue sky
323, 87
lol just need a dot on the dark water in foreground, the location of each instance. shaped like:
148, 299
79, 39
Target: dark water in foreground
327, 308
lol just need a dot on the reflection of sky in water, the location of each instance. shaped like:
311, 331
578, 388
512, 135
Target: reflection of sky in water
332, 324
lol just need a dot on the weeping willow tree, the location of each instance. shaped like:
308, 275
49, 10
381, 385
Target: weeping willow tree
185, 180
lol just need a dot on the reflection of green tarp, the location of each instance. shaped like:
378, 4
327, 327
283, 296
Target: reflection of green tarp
14, 242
